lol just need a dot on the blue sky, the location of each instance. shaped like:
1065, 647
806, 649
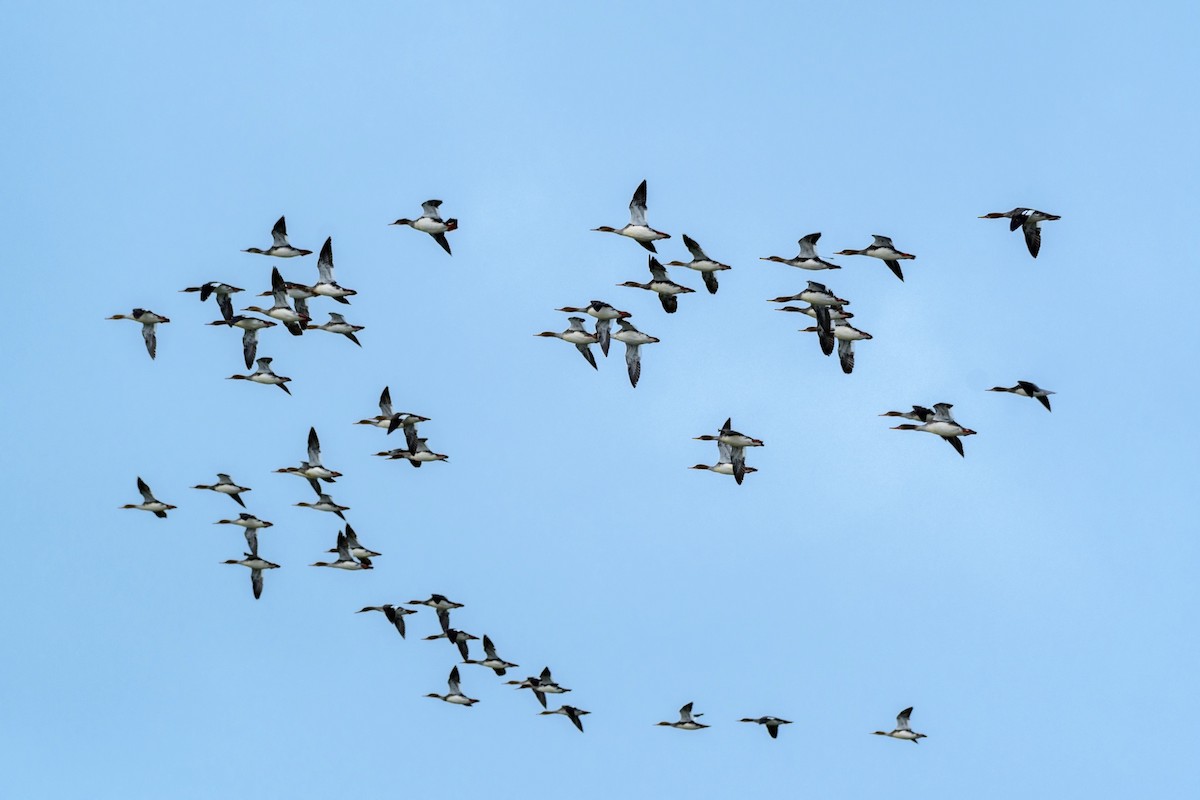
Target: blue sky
1034, 601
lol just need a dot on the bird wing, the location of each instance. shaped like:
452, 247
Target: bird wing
604, 334
657, 271
685, 713
902, 719
385, 402
694, 249
586, 350
430, 209
453, 681
279, 233
443, 616
252, 541
956, 443
808, 246
1033, 237
846, 355
710, 281
314, 448
894, 266
670, 303
151, 341
633, 361
256, 582
440, 238
637, 206
226, 306
249, 346
325, 262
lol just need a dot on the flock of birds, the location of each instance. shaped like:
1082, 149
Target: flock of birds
290, 308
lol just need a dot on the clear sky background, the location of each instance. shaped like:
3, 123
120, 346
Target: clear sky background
1035, 601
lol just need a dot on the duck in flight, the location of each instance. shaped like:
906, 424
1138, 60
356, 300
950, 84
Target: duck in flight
823, 305
883, 249
226, 486
416, 456
637, 229
633, 339
264, 375
221, 292
570, 712
149, 503
604, 314
391, 420
807, 258
700, 262
737, 443
540, 685
771, 723
356, 549
326, 286
312, 469
394, 614
902, 730
250, 327
1029, 220
431, 222
455, 637
294, 320
918, 414
578, 336
1027, 389
254, 562
724, 465
666, 289
846, 335
344, 559
149, 320
280, 248
687, 721
455, 694
326, 503
942, 424
337, 324
247, 521
492, 661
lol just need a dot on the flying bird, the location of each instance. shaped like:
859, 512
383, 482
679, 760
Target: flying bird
666, 289
149, 320
883, 249
431, 222
701, 263
280, 247
902, 730
1027, 389
637, 229
149, 503
1029, 221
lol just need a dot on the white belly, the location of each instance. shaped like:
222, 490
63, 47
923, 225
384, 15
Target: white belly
430, 226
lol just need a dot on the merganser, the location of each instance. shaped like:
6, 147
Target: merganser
394, 614
431, 222
312, 469
455, 637
882, 248
148, 319
219, 290
247, 521
156, 507
255, 563
577, 336
772, 724
298, 293
570, 712
918, 414
1029, 221
807, 258
637, 229
724, 465
942, 424
633, 340
737, 442
337, 324
356, 549
701, 263
903, 731
294, 321
493, 661
455, 696
604, 314
438, 602
390, 420
823, 303
344, 559
835, 312
226, 486
416, 456
541, 686
326, 286
325, 503
250, 327
1027, 389
264, 375
846, 335
279, 244
686, 722
659, 283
